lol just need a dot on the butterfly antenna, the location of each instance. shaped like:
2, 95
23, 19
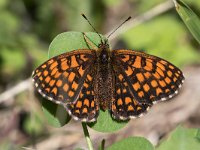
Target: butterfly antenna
92, 26
119, 26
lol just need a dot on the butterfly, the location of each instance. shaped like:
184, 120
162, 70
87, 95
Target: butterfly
125, 82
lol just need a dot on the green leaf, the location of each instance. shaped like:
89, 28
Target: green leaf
135, 143
191, 20
105, 123
56, 115
181, 139
69, 41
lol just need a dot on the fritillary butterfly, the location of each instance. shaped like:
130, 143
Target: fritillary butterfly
126, 82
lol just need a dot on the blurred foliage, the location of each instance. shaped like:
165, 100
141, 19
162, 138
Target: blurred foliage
172, 45
181, 139
136, 143
198, 135
28, 26
33, 124
144, 5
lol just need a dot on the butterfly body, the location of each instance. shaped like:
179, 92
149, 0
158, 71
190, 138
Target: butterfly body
126, 82
104, 77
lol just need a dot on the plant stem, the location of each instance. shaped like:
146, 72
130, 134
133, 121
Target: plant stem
102, 144
87, 136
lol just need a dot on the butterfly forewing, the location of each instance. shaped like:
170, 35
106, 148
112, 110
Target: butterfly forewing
61, 78
149, 78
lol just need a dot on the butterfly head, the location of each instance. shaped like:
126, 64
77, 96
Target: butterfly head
103, 51
104, 44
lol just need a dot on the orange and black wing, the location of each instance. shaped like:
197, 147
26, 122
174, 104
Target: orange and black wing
86, 107
125, 106
148, 78
61, 78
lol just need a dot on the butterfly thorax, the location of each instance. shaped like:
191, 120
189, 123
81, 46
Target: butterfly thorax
104, 80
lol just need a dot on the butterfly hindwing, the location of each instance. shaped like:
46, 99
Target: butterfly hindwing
149, 78
60, 79
125, 106
86, 108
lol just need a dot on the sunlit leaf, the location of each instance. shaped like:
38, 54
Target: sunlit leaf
105, 123
56, 115
191, 20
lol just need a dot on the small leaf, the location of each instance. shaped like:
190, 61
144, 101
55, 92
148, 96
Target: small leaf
105, 123
68, 41
56, 115
181, 139
134, 143
191, 20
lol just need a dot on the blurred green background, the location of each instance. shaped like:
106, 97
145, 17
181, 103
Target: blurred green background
28, 26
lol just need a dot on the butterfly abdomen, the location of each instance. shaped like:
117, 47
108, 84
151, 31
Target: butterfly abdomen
104, 81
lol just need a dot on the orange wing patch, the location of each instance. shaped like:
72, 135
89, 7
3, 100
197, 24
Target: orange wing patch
129, 71
140, 77
136, 86
74, 62
137, 63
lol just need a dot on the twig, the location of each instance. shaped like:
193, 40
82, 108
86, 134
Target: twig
157, 10
175, 3
27, 148
20, 87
